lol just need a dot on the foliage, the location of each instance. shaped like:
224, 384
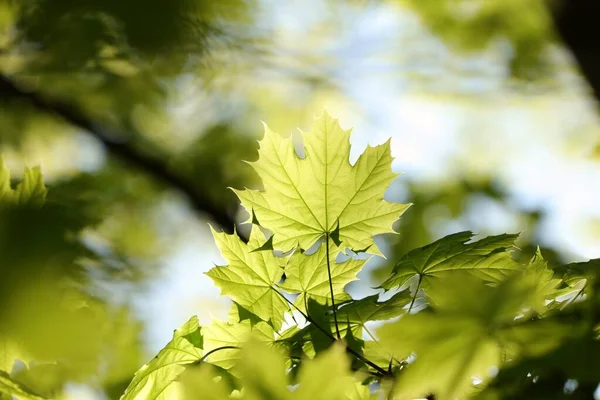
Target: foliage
525, 26
487, 326
53, 330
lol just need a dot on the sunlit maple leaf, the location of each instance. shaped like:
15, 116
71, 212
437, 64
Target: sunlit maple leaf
250, 277
322, 194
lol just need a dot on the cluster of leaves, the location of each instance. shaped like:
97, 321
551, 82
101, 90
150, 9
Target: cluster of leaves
463, 318
455, 319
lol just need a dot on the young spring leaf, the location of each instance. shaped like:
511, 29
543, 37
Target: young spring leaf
303, 276
327, 377
546, 285
250, 276
305, 198
232, 334
199, 382
357, 313
30, 191
153, 379
487, 258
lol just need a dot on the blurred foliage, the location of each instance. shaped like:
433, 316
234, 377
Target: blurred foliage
52, 313
185, 82
471, 25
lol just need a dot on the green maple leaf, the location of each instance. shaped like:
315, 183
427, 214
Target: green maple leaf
357, 313
467, 334
30, 191
305, 278
153, 379
546, 285
307, 198
487, 258
250, 277
203, 382
11, 387
232, 334
326, 377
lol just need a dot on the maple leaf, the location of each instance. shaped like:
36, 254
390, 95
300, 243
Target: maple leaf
357, 313
250, 277
451, 346
233, 334
203, 382
30, 191
469, 332
487, 258
546, 285
326, 377
153, 379
322, 194
304, 277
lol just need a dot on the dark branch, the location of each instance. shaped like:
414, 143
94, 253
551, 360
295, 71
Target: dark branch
125, 151
577, 23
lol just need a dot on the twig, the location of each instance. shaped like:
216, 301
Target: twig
416, 293
152, 165
380, 371
337, 329
204, 357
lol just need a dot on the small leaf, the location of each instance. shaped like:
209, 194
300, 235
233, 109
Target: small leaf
487, 258
546, 285
357, 313
327, 376
202, 382
153, 379
307, 275
30, 191
221, 334
250, 276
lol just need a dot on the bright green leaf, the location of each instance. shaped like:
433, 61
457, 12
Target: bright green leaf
232, 334
458, 341
545, 283
305, 198
202, 382
307, 275
487, 258
357, 313
250, 277
327, 377
30, 191
263, 373
153, 379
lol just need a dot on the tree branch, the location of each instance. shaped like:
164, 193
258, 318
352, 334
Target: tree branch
577, 23
151, 165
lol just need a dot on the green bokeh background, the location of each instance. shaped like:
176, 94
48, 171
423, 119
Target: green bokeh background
141, 112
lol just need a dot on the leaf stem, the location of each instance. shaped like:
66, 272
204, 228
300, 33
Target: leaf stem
380, 371
415, 295
214, 351
370, 334
337, 329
